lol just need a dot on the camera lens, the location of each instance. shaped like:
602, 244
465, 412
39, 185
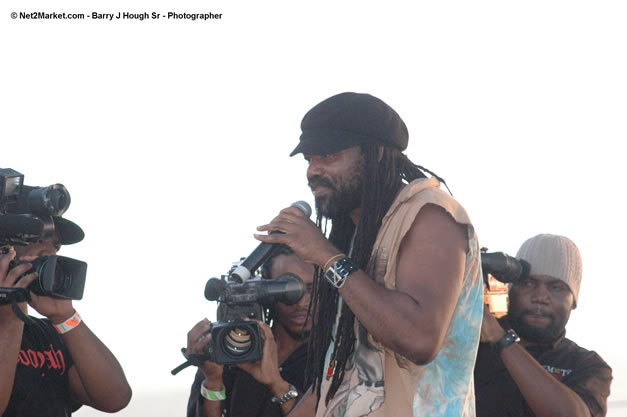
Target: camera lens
238, 341
62, 278
51, 200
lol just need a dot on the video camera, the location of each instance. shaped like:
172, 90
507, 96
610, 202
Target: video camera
234, 339
32, 214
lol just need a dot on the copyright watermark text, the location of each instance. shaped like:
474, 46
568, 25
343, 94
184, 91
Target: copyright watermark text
137, 16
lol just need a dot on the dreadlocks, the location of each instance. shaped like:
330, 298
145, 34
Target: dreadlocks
383, 175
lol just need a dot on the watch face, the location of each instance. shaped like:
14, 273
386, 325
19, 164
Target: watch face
514, 336
344, 267
339, 271
332, 274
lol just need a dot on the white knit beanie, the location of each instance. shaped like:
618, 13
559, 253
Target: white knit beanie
553, 256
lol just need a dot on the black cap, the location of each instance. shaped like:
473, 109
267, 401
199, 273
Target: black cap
350, 119
69, 232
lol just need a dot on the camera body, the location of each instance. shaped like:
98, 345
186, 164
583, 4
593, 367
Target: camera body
30, 214
236, 337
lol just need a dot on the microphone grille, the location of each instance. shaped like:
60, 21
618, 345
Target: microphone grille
214, 289
303, 206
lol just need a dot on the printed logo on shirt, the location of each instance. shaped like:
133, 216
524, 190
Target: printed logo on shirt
50, 359
557, 373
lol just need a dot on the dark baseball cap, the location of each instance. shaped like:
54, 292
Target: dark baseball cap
69, 232
350, 119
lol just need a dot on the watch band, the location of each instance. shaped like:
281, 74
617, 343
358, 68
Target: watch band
292, 393
509, 338
339, 271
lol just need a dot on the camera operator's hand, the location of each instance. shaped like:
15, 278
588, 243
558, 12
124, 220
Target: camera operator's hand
265, 370
57, 310
491, 330
197, 338
8, 279
11, 327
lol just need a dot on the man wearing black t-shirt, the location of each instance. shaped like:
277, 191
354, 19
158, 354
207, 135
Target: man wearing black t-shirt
50, 367
525, 366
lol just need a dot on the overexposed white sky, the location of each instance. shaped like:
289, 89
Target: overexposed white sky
173, 138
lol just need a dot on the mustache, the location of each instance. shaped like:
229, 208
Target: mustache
317, 180
537, 311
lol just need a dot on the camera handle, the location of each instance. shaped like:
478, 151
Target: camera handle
13, 296
192, 359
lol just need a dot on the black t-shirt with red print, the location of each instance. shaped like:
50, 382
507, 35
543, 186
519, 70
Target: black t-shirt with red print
41, 387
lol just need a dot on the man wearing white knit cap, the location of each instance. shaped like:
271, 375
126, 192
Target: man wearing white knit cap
525, 365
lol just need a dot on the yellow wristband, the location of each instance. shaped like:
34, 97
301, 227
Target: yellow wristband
69, 324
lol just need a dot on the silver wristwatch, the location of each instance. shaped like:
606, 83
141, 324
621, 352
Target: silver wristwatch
292, 393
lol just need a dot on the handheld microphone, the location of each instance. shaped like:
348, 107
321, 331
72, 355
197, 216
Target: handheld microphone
262, 252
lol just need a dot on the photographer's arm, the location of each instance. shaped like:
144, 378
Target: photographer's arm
197, 339
11, 327
266, 371
546, 396
96, 378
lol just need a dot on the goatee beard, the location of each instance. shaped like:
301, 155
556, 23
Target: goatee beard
541, 335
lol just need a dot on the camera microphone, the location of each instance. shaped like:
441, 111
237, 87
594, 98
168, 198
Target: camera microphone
262, 252
214, 289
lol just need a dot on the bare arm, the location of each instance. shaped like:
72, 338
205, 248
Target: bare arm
96, 378
11, 327
546, 396
306, 407
429, 278
266, 371
197, 338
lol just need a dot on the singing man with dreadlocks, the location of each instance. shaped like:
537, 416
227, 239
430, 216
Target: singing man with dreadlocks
397, 299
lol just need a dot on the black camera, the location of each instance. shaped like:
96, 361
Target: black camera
234, 339
32, 214
503, 267
57, 276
